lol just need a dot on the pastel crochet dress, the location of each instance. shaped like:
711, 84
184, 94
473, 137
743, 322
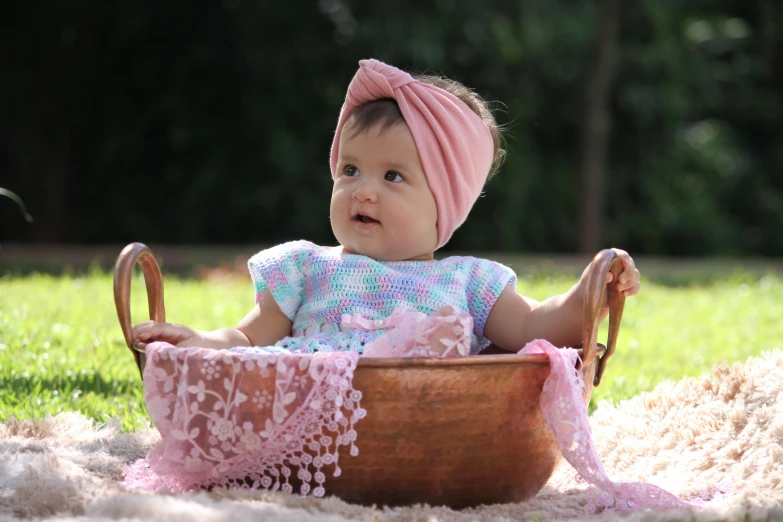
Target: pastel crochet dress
343, 302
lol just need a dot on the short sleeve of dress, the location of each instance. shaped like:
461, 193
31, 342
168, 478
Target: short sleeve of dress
486, 280
281, 271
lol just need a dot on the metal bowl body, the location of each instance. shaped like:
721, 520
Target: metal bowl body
452, 432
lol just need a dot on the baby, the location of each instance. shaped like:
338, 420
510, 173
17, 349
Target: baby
409, 159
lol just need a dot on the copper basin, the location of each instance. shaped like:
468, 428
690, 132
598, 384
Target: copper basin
455, 432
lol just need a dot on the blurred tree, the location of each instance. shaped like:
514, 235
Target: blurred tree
595, 127
776, 53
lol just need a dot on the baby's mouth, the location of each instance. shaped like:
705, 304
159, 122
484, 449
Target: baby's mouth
366, 219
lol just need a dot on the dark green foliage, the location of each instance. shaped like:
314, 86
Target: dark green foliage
211, 122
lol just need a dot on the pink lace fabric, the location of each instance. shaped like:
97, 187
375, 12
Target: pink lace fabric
219, 428
566, 415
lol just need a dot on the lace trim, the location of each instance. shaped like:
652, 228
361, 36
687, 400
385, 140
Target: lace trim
566, 415
218, 431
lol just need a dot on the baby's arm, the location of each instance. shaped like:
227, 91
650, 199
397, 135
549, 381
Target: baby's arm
264, 325
515, 320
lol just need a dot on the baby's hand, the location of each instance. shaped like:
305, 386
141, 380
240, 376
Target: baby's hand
629, 283
175, 334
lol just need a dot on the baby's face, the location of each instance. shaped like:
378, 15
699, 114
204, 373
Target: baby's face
382, 206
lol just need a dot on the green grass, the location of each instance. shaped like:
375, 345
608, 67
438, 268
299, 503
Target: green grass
61, 348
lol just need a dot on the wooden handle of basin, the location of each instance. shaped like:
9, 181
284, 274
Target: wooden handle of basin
605, 261
123, 272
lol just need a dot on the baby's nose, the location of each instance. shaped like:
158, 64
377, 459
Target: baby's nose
366, 191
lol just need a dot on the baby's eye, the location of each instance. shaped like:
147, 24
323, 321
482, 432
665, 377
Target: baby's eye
394, 177
350, 171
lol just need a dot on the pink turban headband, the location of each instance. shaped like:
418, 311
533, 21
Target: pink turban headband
454, 144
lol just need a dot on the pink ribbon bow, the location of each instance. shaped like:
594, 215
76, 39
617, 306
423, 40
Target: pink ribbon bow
399, 316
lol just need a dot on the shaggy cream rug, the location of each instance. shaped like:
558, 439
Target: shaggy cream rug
687, 436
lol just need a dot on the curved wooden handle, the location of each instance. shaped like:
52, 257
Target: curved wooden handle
605, 261
123, 272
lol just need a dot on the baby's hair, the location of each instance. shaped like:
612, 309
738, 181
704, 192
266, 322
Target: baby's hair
386, 112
